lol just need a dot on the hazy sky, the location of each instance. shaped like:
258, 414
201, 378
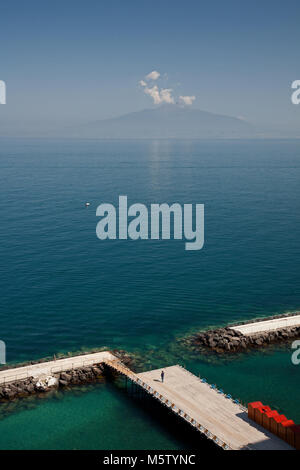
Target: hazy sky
68, 61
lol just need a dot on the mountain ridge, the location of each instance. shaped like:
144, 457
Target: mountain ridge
169, 121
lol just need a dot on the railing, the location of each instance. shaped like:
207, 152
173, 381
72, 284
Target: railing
236, 401
73, 365
38, 369
150, 390
14, 378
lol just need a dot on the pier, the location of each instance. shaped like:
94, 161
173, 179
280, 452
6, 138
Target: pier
251, 334
209, 411
53, 367
212, 413
268, 325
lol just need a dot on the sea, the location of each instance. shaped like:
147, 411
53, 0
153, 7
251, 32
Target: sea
64, 291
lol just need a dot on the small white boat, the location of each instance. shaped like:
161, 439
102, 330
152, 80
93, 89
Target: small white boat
87, 204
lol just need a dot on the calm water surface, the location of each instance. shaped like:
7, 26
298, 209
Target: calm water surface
63, 290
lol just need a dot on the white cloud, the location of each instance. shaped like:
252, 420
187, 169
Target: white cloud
187, 100
160, 96
154, 75
154, 93
166, 95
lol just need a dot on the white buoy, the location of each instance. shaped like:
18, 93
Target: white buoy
87, 204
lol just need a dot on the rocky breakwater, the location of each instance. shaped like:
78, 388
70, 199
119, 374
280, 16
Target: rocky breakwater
45, 383
26, 387
227, 340
80, 375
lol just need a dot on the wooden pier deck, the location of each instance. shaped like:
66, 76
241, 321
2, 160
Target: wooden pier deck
210, 412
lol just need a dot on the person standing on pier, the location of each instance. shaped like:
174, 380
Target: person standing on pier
162, 376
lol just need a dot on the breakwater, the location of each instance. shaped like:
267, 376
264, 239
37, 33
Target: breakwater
44, 376
44, 383
247, 335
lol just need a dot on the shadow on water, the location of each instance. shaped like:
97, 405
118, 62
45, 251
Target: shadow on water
159, 416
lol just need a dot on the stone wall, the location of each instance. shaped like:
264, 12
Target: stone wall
40, 384
226, 340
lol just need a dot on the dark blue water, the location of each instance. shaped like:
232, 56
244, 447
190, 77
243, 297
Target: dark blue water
62, 289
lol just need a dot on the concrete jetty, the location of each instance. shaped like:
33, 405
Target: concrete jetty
267, 325
249, 335
50, 368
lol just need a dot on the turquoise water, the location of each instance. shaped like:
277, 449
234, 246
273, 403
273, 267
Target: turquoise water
62, 289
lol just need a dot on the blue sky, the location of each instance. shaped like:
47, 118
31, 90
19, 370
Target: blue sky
70, 61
